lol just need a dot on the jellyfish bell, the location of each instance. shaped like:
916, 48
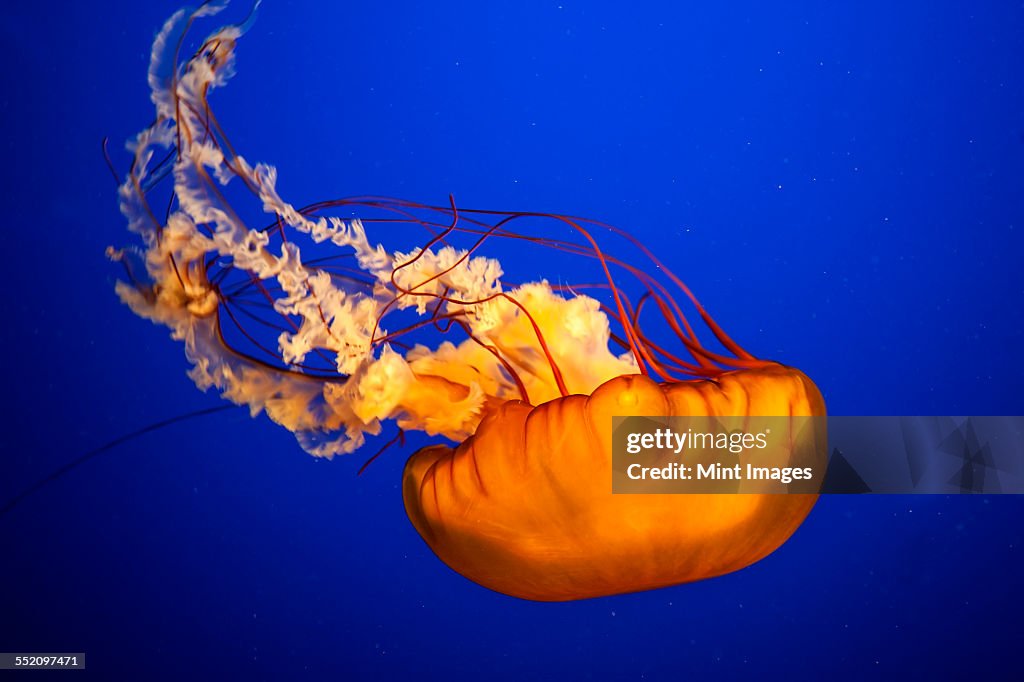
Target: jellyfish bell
300, 316
525, 506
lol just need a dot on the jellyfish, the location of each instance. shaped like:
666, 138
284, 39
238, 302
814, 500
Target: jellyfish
337, 318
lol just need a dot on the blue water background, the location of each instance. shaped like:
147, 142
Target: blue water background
843, 188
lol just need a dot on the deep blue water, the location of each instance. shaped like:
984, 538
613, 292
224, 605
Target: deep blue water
844, 188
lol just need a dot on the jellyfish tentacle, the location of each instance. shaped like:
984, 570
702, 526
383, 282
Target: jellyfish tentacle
333, 349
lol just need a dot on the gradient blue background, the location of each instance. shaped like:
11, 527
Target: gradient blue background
842, 187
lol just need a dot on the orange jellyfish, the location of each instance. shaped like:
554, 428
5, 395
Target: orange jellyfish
290, 315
